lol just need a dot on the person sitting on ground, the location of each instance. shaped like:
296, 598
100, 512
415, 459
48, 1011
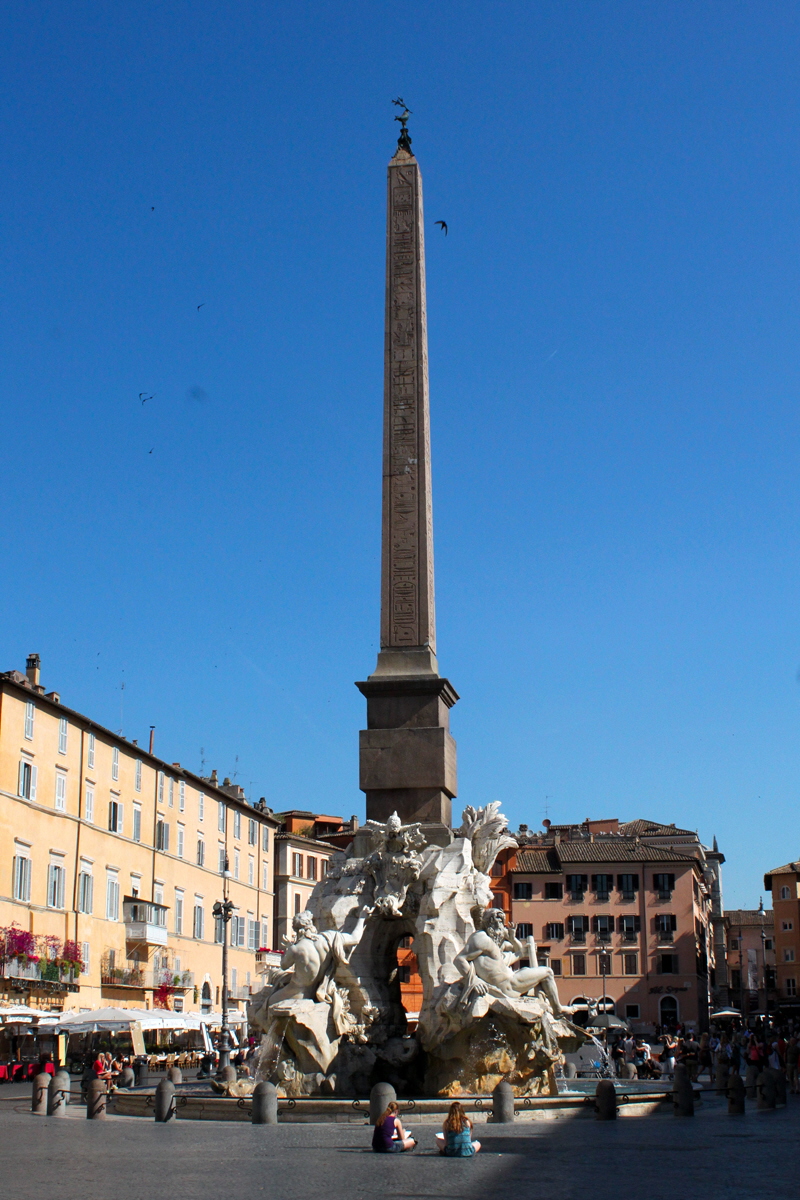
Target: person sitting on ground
388, 1136
456, 1135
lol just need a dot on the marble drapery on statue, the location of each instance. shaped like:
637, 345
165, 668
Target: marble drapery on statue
332, 1016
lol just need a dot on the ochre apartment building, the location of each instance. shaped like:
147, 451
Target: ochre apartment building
784, 884
111, 860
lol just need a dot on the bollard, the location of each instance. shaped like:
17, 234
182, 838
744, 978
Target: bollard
226, 1074
682, 1092
380, 1098
765, 1092
175, 1075
58, 1095
96, 1100
570, 1071
721, 1077
140, 1072
736, 1093
503, 1104
39, 1095
780, 1087
126, 1078
164, 1106
750, 1077
605, 1101
265, 1104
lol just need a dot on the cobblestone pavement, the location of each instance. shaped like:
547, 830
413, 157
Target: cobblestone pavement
706, 1157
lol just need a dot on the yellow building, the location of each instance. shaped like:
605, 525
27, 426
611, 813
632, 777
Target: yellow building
110, 864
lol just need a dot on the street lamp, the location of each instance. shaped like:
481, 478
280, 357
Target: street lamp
763, 951
223, 911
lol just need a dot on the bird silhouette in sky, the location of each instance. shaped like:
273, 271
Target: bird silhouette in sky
443, 225
144, 397
151, 451
201, 306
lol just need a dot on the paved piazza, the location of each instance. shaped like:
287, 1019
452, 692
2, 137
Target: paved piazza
656, 1158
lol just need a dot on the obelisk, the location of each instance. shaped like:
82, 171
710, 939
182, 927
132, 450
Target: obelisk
407, 754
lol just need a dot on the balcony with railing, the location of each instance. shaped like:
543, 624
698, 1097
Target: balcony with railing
266, 960
144, 922
180, 981
604, 937
42, 973
630, 936
578, 937
665, 937
122, 977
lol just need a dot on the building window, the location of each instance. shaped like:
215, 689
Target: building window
785, 894
555, 966
30, 712
631, 1012
137, 822
769, 944
664, 885
554, 931
63, 728
265, 838
237, 824
201, 807
735, 944
553, 891
788, 954
601, 886
162, 835
112, 898
629, 927
160, 787
265, 877
523, 891
668, 964
201, 852
222, 858
85, 957
736, 979
27, 780
787, 926
90, 746
791, 987
297, 865
576, 886
251, 870
628, 885
577, 928
115, 763
236, 864
22, 877
115, 816
630, 964
89, 806
198, 922
172, 793
61, 792
181, 839
85, 891
579, 964
524, 930
252, 832
311, 868
137, 775
666, 925
253, 934
178, 911
603, 927
181, 795
604, 964
296, 903
220, 816
219, 930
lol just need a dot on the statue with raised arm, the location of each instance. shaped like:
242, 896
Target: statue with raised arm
485, 964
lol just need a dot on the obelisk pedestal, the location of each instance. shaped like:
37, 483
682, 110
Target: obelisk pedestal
407, 754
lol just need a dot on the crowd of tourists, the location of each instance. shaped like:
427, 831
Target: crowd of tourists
767, 1046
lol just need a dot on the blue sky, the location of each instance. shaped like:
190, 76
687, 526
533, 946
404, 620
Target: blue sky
613, 331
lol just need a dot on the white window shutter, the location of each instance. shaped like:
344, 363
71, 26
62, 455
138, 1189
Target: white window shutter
120, 818
19, 781
34, 773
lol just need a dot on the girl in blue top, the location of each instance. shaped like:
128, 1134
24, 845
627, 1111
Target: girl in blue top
456, 1136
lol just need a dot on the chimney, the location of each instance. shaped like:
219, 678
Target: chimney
214, 782
152, 737
32, 666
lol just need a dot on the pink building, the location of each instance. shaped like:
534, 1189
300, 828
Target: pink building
619, 916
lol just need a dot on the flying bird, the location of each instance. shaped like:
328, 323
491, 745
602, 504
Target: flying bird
144, 397
151, 451
152, 208
201, 306
443, 225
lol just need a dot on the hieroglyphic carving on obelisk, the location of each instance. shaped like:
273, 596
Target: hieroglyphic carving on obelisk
408, 620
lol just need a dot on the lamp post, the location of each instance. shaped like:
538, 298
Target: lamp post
763, 952
223, 911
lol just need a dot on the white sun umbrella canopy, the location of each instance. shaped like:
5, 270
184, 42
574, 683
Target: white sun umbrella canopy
115, 1019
